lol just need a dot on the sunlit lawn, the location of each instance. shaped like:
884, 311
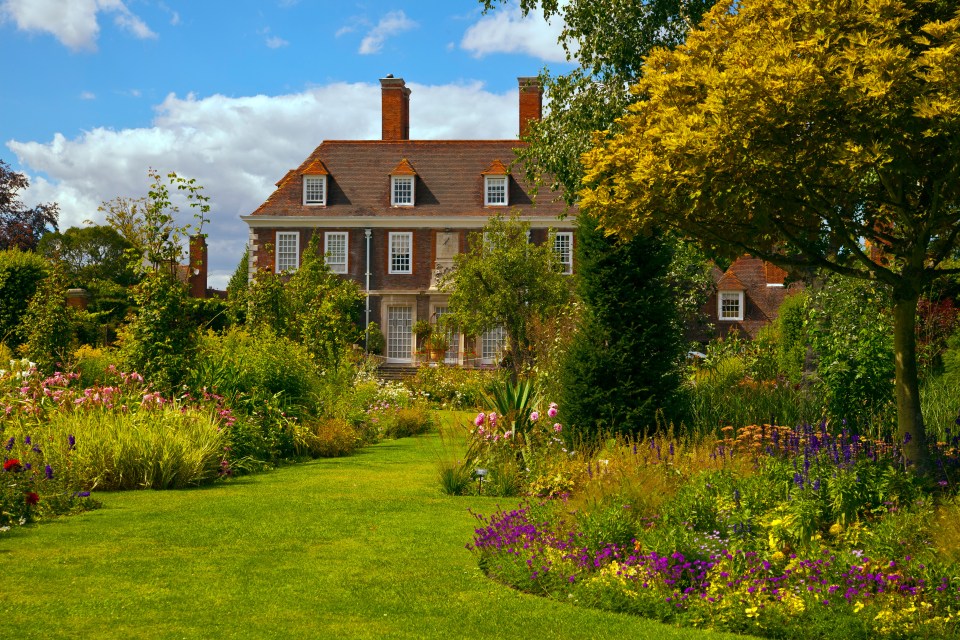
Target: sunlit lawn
358, 547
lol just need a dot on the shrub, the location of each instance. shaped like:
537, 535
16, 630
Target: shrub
792, 348
94, 365
49, 324
851, 331
631, 325
20, 275
159, 342
327, 438
453, 387
375, 340
409, 421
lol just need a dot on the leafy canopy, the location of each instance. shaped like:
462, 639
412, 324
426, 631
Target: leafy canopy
798, 130
609, 41
20, 227
806, 133
504, 280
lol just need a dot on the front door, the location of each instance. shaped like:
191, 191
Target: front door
400, 334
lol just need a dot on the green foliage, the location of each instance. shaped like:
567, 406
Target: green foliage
376, 342
328, 438
455, 478
792, 347
410, 421
49, 324
608, 42
741, 116
503, 280
20, 274
237, 290
849, 327
632, 326
261, 365
453, 387
158, 343
89, 253
315, 307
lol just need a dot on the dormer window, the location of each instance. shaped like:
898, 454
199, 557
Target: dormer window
401, 189
315, 190
315, 184
496, 185
730, 305
403, 183
495, 191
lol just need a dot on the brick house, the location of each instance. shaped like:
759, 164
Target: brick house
392, 214
746, 298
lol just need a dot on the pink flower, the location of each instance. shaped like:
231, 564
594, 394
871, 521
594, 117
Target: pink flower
552, 411
493, 418
558, 427
534, 416
479, 419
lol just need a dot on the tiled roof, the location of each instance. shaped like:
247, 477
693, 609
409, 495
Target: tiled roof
315, 168
403, 169
496, 168
449, 180
730, 282
287, 176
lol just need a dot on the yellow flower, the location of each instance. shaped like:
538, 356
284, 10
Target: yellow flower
857, 607
836, 529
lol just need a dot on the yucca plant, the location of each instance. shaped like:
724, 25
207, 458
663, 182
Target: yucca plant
513, 402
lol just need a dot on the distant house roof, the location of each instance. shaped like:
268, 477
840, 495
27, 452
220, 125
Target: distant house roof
450, 179
764, 292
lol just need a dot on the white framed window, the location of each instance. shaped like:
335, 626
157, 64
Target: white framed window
492, 343
563, 247
315, 190
399, 333
337, 252
288, 250
495, 191
401, 191
730, 305
401, 252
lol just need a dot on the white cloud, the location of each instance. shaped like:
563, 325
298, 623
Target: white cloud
391, 24
73, 23
506, 30
88, 95
275, 42
211, 139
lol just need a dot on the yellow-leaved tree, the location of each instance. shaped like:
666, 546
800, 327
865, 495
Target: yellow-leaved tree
808, 133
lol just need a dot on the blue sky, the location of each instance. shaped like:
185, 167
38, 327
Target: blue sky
236, 93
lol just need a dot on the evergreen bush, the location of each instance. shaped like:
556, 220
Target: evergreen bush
625, 361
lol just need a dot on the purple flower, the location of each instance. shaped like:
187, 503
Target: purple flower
72, 441
27, 441
48, 471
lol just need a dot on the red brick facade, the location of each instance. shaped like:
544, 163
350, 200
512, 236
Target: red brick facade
448, 204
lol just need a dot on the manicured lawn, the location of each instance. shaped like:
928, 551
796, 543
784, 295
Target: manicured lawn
358, 547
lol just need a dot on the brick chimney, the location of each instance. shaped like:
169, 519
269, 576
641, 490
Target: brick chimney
395, 108
198, 267
531, 102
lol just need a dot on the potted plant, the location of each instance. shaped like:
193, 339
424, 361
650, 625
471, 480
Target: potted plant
437, 345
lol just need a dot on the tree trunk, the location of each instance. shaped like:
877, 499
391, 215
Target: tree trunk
910, 429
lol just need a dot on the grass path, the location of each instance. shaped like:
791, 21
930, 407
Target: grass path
358, 547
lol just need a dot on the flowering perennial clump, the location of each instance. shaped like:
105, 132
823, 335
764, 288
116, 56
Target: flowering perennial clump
782, 532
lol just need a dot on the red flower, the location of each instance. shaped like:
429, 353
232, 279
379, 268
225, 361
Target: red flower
11, 465
32, 498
